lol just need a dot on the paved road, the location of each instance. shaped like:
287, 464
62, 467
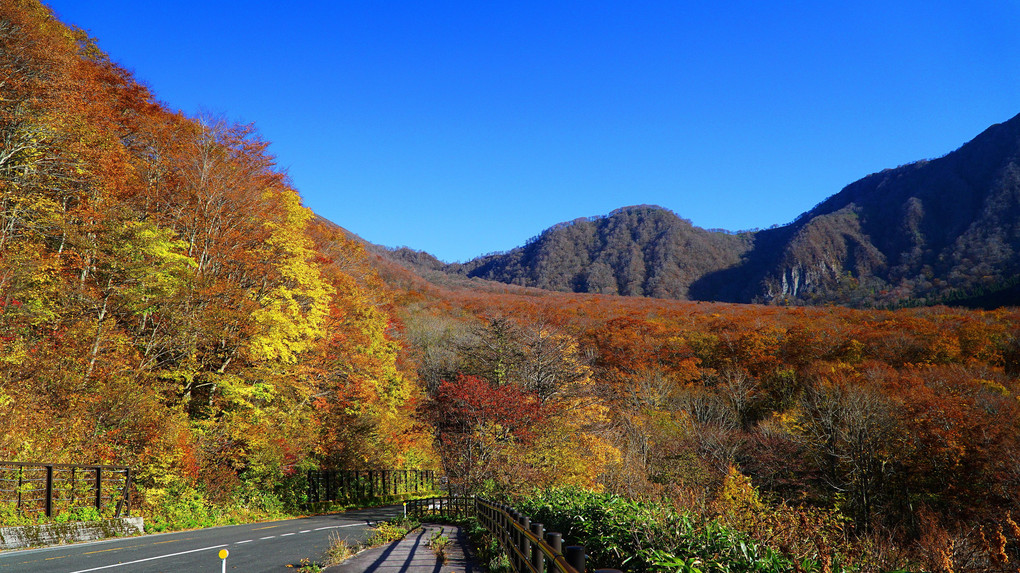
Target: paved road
258, 547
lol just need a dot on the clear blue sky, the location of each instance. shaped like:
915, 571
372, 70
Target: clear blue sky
461, 128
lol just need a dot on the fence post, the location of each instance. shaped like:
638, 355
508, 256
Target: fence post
537, 557
575, 557
525, 544
500, 525
49, 491
555, 540
127, 492
99, 488
514, 540
509, 535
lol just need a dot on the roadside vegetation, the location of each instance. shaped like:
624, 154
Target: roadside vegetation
340, 550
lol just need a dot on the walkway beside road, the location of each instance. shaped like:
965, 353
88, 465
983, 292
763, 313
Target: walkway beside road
412, 554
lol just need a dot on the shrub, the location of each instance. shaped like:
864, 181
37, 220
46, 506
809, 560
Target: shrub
644, 536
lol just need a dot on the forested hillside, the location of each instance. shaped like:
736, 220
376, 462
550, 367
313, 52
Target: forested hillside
166, 302
937, 231
637, 251
856, 440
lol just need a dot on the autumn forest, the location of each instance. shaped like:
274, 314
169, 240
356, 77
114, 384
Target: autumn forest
168, 303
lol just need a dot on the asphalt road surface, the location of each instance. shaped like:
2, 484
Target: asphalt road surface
274, 546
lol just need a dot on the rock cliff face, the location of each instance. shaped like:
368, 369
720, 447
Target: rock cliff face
922, 233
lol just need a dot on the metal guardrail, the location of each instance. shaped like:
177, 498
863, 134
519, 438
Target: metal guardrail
350, 485
530, 548
51, 488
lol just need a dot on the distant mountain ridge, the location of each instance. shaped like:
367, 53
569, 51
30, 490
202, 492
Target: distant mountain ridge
927, 232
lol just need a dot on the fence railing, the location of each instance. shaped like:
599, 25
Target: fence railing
528, 546
455, 506
351, 485
52, 488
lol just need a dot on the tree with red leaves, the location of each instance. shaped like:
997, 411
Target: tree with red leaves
483, 429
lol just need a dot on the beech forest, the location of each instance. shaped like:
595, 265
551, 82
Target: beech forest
168, 303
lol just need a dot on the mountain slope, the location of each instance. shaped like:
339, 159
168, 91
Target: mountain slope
641, 251
921, 231
927, 232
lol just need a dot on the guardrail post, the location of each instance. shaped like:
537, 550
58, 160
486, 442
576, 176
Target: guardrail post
575, 557
49, 491
537, 557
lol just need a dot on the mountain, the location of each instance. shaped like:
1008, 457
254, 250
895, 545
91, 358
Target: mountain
925, 232
639, 251
940, 231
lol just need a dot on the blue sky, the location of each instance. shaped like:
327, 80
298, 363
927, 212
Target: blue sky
462, 128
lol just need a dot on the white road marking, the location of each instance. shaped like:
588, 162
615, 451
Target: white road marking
267, 537
286, 534
305, 531
245, 541
339, 526
148, 559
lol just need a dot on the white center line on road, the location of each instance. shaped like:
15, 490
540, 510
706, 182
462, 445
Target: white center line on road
245, 541
267, 537
305, 531
148, 559
339, 526
286, 534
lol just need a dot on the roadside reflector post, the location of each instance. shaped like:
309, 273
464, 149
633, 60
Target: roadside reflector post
405, 510
223, 556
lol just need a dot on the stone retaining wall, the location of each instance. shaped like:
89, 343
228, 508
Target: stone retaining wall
70, 532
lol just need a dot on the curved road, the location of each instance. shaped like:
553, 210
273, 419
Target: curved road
273, 546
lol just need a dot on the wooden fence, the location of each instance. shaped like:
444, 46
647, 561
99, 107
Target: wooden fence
529, 547
353, 485
52, 488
